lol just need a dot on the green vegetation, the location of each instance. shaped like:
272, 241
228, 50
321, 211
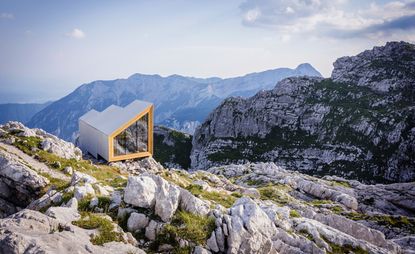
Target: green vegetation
341, 184
277, 193
103, 202
345, 249
66, 197
221, 198
28, 144
188, 226
251, 182
177, 177
278, 137
105, 228
401, 222
307, 235
179, 153
336, 209
55, 183
294, 214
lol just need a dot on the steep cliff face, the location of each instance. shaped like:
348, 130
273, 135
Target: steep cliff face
172, 148
359, 123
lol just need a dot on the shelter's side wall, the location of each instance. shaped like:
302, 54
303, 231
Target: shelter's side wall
102, 145
88, 138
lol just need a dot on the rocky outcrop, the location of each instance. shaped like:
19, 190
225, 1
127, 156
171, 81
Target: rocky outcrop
19, 184
135, 167
249, 230
359, 124
152, 191
49, 142
33, 232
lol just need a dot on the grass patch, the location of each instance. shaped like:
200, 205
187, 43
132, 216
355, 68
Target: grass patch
345, 249
294, 214
341, 184
276, 193
105, 228
55, 183
337, 209
221, 198
307, 235
252, 182
191, 227
66, 197
28, 144
401, 222
177, 177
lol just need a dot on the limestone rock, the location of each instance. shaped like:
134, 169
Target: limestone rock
249, 228
84, 191
64, 214
137, 221
19, 184
190, 203
167, 199
80, 178
140, 191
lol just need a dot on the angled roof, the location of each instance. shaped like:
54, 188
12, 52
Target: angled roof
114, 116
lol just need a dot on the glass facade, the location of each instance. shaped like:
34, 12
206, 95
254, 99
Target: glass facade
134, 139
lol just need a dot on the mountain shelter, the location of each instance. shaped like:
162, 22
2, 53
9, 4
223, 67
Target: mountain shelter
118, 133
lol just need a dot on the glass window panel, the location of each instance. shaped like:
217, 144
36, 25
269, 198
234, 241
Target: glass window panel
119, 144
134, 139
142, 133
131, 139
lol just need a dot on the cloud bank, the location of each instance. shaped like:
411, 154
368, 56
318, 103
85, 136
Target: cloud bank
331, 18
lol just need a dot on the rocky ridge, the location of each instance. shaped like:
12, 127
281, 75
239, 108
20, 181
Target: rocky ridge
141, 206
359, 124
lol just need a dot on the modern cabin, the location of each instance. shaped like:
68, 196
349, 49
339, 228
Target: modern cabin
118, 133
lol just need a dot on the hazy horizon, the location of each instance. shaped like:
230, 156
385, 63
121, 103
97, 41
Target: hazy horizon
49, 49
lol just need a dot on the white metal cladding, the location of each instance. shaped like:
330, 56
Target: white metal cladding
95, 127
114, 117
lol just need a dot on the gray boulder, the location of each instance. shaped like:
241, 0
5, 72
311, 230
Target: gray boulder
137, 221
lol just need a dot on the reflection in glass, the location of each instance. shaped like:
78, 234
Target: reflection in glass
133, 139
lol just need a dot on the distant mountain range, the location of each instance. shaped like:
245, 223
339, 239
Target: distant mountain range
180, 102
21, 112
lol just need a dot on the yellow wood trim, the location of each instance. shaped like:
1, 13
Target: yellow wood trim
131, 156
149, 110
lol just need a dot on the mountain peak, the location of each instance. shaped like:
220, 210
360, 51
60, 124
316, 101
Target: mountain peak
308, 69
386, 63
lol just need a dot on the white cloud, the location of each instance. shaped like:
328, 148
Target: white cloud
5, 15
76, 33
252, 15
333, 18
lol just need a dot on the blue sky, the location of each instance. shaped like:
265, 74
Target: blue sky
48, 48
